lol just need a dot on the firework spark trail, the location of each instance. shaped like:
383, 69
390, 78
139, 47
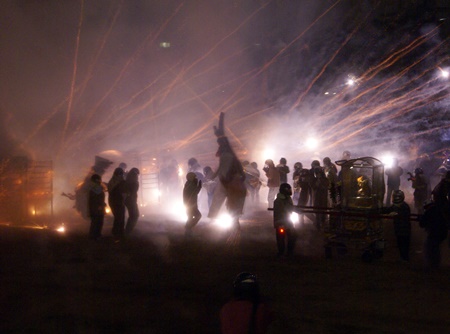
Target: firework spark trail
148, 40
399, 113
78, 90
282, 51
90, 70
389, 61
392, 59
332, 58
74, 76
381, 108
386, 83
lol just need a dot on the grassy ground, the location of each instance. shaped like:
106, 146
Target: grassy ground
157, 282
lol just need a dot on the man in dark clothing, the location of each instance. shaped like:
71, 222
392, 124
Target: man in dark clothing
285, 230
393, 179
132, 187
96, 206
441, 196
402, 222
116, 201
190, 192
436, 227
284, 170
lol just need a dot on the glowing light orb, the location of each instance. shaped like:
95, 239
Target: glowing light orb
294, 218
387, 160
445, 74
350, 82
61, 229
224, 221
312, 143
268, 153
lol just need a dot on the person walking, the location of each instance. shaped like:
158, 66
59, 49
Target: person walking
131, 199
284, 170
400, 211
190, 199
116, 201
96, 206
273, 181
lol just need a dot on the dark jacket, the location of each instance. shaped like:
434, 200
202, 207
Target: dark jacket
190, 192
402, 220
96, 200
434, 223
282, 209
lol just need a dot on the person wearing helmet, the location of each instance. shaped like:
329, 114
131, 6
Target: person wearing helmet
400, 212
295, 182
246, 312
132, 187
283, 207
273, 181
331, 172
96, 206
284, 170
190, 194
420, 186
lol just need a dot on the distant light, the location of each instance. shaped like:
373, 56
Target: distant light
445, 74
350, 82
387, 160
61, 229
311, 143
164, 45
327, 93
268, 153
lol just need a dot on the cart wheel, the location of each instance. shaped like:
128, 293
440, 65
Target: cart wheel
367, 256
328, 252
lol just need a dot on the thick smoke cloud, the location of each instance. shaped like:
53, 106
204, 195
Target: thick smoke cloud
149, 78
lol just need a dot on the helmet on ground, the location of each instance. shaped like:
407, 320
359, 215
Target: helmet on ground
418, 170
246, 286
286, 189
398, 196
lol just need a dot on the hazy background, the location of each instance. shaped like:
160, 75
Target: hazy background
149, 78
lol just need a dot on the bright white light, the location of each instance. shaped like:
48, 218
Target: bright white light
179, 212
350, 82
294, 218
224, 221
445, 74
180, 171
311, 143
268, 153
61, 229
387, 160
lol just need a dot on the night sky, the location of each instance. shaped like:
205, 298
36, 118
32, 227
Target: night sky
79, 78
